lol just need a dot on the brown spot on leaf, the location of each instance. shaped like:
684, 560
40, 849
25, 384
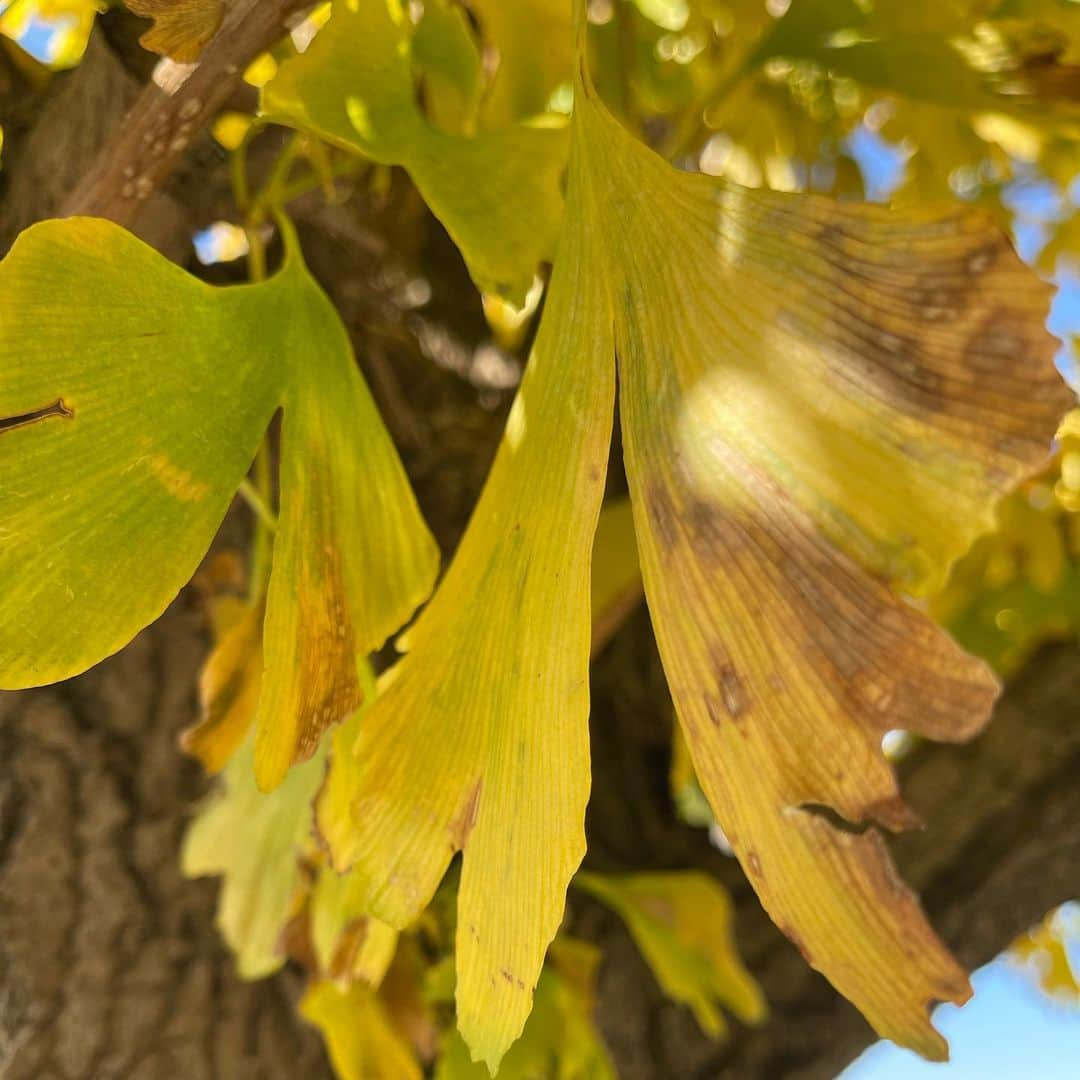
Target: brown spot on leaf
733, 692
663, 516
326, 654
463, 824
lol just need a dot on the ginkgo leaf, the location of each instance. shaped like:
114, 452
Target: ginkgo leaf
559, 1041
682, 923
229, 686
616, 573
497, 193
348, 944
1045, 948
479, 739
255, 842
360, 1038
446, 52
112, 468
181, 27
806, 386
525, 77
123, 436
352, 556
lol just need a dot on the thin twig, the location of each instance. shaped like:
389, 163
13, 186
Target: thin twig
250, 493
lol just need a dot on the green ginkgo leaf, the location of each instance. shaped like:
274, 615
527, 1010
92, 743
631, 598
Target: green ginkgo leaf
682, 923
816, 398
447, 56
526, 77
132, 400
497, 193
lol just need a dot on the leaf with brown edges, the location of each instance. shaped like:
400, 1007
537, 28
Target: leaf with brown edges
181, 27
817, 399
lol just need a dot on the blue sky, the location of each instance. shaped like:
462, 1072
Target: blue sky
1009, 1030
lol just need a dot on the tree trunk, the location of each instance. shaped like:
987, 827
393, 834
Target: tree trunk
110, 965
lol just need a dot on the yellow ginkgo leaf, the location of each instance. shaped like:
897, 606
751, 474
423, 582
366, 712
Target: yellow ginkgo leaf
352, 557
815, 398
229, 686
682, 923
348, 944
559, 1039
497, 193
255, 842
479, 739
360, 1038
616, 573
181, 27
806, 386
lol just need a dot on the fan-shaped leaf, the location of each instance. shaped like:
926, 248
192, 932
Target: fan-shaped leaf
132, 399
682, 923
479, 740
496, 193
805, 386
255, 842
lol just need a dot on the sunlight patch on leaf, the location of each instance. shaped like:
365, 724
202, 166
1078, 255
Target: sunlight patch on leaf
682, 923
496, 193
806, 386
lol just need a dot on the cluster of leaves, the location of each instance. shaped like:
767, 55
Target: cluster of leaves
384, 999
818, 399
1020, 585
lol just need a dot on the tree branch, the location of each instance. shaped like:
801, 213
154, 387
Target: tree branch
172, 109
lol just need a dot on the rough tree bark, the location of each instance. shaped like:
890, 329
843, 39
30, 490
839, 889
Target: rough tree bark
109, 962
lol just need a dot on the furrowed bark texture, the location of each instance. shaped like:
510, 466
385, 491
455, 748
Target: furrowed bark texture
110, 965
